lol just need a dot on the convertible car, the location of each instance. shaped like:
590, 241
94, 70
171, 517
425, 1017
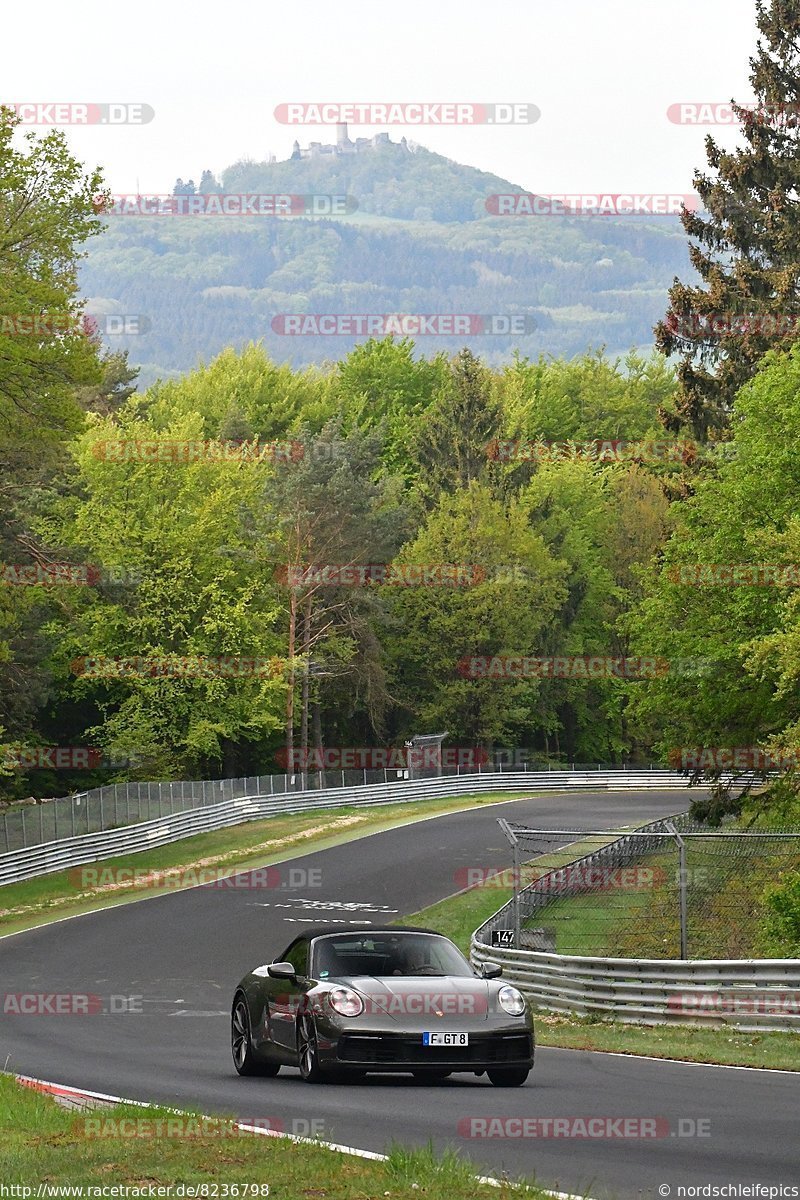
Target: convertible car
365, 999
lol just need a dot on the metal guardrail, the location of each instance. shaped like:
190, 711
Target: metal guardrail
755, 994
116, 804
66, 852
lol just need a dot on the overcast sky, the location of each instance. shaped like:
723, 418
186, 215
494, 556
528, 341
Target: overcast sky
603, 73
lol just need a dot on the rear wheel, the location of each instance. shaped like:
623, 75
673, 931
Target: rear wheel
308, 1050
508, 1076
244, 1060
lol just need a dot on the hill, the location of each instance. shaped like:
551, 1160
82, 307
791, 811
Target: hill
420, 241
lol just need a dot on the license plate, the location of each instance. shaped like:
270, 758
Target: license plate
445, 1039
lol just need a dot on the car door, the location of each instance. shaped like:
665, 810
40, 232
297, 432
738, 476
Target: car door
286, 996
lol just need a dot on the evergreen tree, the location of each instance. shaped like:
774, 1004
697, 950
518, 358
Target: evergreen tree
209, 184
748, 255
450, 448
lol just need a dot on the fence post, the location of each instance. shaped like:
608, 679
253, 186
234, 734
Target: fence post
5, 831
517, 915
682, 884
24, 840
102, 811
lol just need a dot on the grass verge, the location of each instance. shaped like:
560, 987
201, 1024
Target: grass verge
458, 916
127, 1146
239, 847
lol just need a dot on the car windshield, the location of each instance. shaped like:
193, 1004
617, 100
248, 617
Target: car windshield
387, 955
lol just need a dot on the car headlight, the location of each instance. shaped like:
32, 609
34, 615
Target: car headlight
345, 1002
511, 1001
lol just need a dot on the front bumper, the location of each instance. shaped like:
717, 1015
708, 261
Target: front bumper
404, 1051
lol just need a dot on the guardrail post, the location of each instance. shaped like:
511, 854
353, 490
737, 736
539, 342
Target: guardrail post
5, 831
24, 840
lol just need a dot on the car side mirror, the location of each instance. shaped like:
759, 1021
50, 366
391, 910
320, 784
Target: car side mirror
491, 970
281, 970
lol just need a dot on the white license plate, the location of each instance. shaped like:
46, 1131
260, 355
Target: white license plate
445, 1039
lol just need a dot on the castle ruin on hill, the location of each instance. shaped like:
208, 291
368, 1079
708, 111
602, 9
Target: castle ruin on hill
345, 145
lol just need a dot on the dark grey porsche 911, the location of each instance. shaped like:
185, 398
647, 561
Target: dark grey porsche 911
364, 999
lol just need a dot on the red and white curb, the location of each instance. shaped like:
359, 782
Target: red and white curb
80, 1098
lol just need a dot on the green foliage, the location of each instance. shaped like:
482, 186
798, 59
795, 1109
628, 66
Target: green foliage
781, 926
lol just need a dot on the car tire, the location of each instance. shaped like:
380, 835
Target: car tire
508, 1076
308, 1051
244, 1060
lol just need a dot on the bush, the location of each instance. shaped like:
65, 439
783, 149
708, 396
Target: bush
781, 925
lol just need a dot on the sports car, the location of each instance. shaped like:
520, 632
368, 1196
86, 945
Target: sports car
364, 999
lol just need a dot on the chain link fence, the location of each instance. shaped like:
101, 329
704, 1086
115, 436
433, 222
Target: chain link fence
115, 805
671, 890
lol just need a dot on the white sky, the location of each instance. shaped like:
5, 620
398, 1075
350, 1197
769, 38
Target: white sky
602, 71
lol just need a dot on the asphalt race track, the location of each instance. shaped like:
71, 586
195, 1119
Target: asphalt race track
183, 953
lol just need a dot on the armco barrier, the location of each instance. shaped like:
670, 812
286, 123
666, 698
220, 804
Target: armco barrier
67, 852
748, 993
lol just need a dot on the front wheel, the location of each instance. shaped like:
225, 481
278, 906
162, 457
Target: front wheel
244, 1060
308, 1050
508, 1076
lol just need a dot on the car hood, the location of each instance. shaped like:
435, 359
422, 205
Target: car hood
422, 997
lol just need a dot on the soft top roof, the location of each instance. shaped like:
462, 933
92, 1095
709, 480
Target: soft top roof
316, 931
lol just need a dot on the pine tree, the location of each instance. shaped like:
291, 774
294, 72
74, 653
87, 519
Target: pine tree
450, 449
748, 254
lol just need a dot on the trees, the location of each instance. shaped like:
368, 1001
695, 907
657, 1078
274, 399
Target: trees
748, 244
335, 506
517, 593
449, 449
750, 628
174, 531
47, 214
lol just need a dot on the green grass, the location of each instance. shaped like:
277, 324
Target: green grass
44, 1143
732, 1047
240, 847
